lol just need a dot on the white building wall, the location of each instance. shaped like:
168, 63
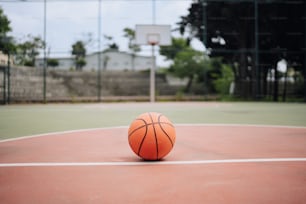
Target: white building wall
91, 62
114, 60
110, 60
63, 63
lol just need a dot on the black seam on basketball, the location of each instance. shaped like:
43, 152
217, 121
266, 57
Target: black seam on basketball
165, 123
143, 138
147, 124
161, 127
155, 136
138, 127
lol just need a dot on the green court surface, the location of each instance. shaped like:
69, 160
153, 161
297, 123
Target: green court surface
25, 120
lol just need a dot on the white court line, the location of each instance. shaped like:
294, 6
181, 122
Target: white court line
175, 125
60, 133
238, 125
152, 163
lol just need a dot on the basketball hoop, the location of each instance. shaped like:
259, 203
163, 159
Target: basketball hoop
153, 38
153, 35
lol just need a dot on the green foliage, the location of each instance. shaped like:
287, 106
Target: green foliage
110, 44
28, 63
79, 51
130, 35
233, 21
29, 50
179, 95
192, 64
211, 73
80, 63
178, 45
188, 63
223, 82
113, 46
52, 62
25, 52
6, 43
4, 23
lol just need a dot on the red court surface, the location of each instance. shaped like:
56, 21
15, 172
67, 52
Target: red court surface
209, 164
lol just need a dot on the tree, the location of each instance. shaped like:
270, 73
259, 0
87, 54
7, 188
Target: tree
110, 44
29, 50
225, 27
223, 82
177, 52
81, 62
52, 62
228, 29
188, 63
4, 23
7, 44
79, 51
283, 24
193, 64
130, 35
177, 45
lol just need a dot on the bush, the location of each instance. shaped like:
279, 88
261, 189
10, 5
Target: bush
222, 84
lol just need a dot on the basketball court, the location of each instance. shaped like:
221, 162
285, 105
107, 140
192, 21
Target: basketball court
210, 163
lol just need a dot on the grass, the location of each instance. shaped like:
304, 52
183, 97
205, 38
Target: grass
23, 120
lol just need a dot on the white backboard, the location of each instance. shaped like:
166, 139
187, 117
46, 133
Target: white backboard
153, 34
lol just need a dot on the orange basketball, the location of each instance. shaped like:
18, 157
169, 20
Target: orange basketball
151, 136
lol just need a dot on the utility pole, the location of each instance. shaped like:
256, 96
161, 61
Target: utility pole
45, 54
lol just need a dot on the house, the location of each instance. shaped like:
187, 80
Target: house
109, 60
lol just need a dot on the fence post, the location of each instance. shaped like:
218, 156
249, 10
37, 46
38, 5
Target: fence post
8, 79
4, 85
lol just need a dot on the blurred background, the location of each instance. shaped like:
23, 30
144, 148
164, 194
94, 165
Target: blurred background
85, 50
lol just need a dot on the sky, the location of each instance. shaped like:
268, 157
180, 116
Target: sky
71, 20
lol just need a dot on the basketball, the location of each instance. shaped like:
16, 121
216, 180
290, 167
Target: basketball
151, 136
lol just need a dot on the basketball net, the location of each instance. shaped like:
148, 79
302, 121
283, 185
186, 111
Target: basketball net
153, 39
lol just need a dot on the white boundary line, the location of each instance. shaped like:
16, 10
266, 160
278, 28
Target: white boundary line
176, 125
60, 133
152, 163
239, 125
